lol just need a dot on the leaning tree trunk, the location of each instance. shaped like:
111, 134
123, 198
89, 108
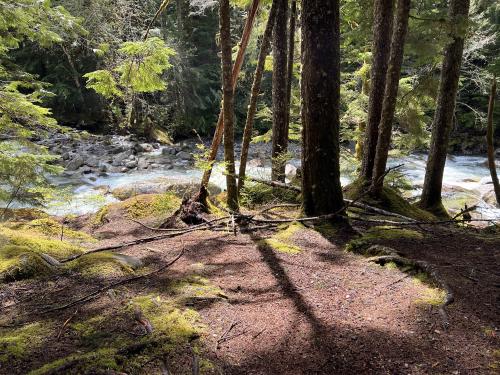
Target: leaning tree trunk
219, 130
443, 118
390, 96
280, 126
382, 29
489, 141
254, 96
321, 188
291, 56
228, 103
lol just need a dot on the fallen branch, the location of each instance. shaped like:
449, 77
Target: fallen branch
99, 291
276, 184
207, 223
66, 323
464, 211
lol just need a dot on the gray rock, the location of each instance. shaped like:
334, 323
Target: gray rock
143, 163
103, 167
144, 147
183, 155
75, 163
131, 164
118, 159
92, 161
290, 170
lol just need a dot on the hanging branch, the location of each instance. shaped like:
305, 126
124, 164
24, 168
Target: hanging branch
160, 10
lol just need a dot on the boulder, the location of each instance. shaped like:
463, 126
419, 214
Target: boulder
131, 164
183, 155
144, 147
92, 161
75, 163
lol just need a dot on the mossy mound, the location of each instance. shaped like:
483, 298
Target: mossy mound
255, 194
51, 228
101, 264
24, 214
194, 289
16, 344
380, 233
283, 240
144, 206
23, 253
389, 200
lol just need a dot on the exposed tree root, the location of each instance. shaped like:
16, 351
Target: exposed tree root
430, 270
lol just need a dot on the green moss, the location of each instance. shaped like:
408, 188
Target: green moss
254, 194
51, 228
432, 296
18, 263
100, 264
149, 205
389, 200
100, 217
16, 344
85, 363
195, 287
391, 266
38, 243
380, 233
282, 241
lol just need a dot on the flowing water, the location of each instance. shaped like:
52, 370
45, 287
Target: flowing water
466, 180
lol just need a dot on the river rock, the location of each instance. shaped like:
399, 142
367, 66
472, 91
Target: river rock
184, 155
131, 164
118, 159
92, 161
75, 163
144, 147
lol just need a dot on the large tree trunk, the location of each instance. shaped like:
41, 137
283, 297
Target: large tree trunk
382, 29
391, 94
291, 56
489, 141
219, 130
280, 126
443, 118
321, 189
228, 103
254, 96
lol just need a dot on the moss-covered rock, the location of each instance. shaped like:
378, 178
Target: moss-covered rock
361, 244
389, 200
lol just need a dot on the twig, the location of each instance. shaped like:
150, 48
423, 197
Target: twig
207, 223
97, 292
66, 323
224, 335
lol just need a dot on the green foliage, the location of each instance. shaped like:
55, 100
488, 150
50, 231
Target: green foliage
16, 343
103, 82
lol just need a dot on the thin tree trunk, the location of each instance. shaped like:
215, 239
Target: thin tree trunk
219, 130
228, 103
291, 56
321, 188
443, 118
254, 96
280, 127
365, 90
382, 29
391, 94
489, 141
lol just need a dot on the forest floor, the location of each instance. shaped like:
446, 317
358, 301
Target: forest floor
251, 305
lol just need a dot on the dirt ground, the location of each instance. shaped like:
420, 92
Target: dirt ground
318, 311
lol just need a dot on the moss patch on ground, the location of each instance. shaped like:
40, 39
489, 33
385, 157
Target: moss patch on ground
282, 240
380, 233
16, 344
100, 264
255, 194
389, 200
175, 330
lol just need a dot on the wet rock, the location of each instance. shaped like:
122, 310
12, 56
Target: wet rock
92, 161
144, 147
131, 164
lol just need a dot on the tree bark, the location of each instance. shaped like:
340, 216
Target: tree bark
280, 127
391, 94
321, 188
254, 96
291, 56
228, 103
489, 141
382, 29
443, 118
219, 130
